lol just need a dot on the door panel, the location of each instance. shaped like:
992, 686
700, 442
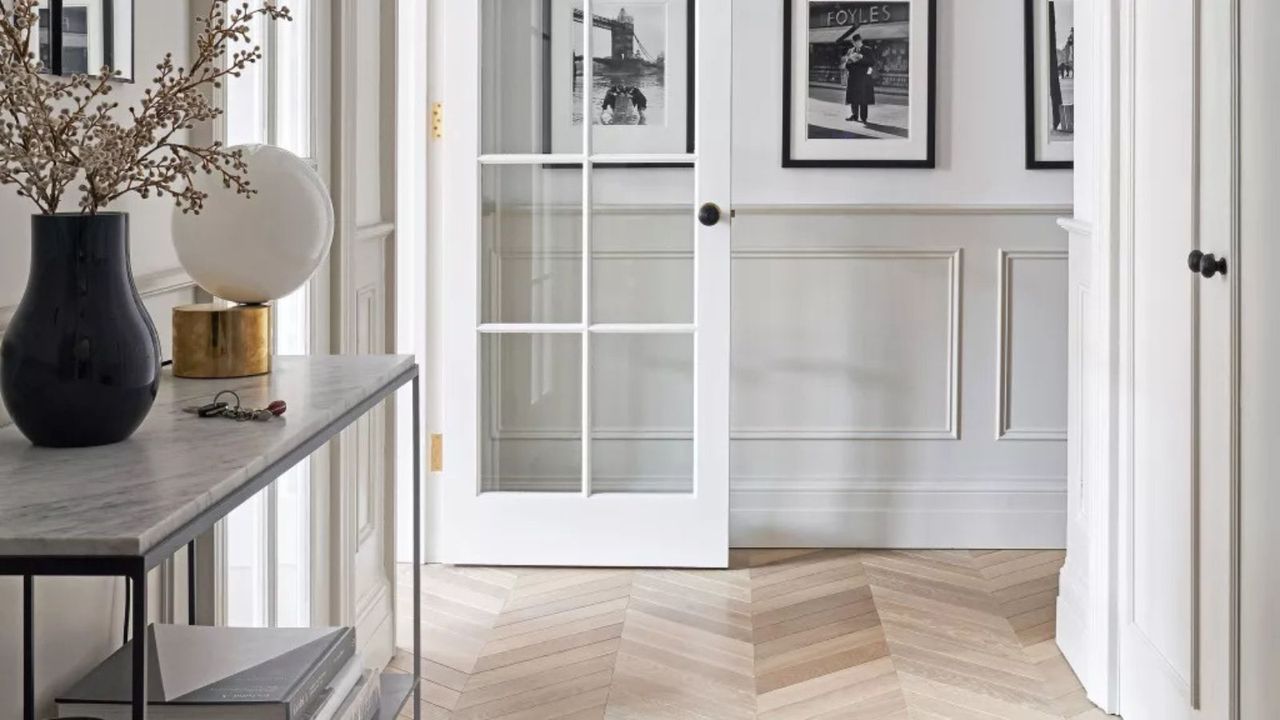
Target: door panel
587, 349
1156, 567
1257, 263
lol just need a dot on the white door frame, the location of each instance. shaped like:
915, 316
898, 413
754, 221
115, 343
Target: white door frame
695, 526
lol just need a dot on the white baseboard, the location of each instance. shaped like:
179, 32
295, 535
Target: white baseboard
968, 529
961, 513
1072, 633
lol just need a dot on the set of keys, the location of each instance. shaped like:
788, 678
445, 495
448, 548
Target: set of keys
221, 409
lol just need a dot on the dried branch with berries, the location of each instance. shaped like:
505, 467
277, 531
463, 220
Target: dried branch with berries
64, 137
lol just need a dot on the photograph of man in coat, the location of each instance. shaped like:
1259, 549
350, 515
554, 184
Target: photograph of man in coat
858, 71
860, 88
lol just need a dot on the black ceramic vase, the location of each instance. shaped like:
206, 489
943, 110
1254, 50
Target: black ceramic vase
80, 360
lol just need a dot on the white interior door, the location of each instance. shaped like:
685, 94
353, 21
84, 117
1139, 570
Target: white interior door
587, 357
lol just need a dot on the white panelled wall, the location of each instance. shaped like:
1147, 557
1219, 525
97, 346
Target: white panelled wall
899, 378
900, 337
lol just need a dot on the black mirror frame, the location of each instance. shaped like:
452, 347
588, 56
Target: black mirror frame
108, 30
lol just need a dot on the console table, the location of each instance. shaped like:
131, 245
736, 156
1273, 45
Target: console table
123, 509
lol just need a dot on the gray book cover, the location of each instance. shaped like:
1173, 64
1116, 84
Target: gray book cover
204, 666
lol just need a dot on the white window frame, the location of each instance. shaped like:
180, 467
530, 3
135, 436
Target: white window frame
266, 511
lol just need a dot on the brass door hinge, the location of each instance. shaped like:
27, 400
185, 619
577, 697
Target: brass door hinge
437, 452
437, 121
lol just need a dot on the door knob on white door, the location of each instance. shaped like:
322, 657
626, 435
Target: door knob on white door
1206, 264
709, 214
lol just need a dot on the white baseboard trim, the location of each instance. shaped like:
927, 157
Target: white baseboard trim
960, 529
887, 512
1072, 633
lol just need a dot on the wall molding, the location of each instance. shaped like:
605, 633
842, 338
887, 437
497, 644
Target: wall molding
490, 209
951, 429
904, 209
1004, 347
152, 284
1077, 227
894, 484
375, 232
1054, 487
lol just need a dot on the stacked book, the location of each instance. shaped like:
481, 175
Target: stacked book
202, 673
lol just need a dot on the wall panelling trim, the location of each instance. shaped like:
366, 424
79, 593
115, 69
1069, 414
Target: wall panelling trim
875, 349
1048, 318
946, 404
901, 209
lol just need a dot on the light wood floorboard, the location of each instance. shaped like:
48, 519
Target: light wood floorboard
782, 635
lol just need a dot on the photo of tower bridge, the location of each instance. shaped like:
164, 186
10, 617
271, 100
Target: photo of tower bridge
629, 49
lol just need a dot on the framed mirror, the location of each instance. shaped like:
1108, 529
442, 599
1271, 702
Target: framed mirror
82, 36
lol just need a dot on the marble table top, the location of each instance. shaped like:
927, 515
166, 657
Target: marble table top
125, 499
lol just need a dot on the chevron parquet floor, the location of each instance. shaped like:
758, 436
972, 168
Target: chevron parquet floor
785, 634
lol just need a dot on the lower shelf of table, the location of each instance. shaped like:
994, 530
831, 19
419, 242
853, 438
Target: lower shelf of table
397, 691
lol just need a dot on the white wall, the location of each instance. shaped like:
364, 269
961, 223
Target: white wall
78, 620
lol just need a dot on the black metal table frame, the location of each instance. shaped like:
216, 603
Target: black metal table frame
135, 567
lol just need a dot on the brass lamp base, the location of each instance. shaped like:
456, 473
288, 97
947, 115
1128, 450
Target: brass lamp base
212, 341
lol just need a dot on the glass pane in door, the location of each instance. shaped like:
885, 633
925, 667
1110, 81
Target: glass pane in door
531, 434
525, 49
531, 252
642, 413
642, 230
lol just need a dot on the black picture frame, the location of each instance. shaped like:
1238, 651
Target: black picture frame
57, 14
1033, 92
928, 162
690, 94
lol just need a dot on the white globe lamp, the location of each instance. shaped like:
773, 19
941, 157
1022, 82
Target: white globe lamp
249, 251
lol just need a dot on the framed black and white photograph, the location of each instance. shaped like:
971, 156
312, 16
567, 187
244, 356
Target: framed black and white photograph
641, 95
1050, 60
858, 84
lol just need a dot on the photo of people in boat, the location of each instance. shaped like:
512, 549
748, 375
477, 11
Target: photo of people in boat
859, 70
629, 58
1062, 70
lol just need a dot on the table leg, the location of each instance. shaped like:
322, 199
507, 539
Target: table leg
139, 579
28, 648
417, 552
191, 583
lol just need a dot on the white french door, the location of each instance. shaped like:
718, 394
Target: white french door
587, 341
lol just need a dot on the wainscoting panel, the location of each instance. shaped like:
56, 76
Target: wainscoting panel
846, 343
883, 358
1032, 352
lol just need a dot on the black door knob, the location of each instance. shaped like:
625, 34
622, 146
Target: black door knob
1206, 264
709, 214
